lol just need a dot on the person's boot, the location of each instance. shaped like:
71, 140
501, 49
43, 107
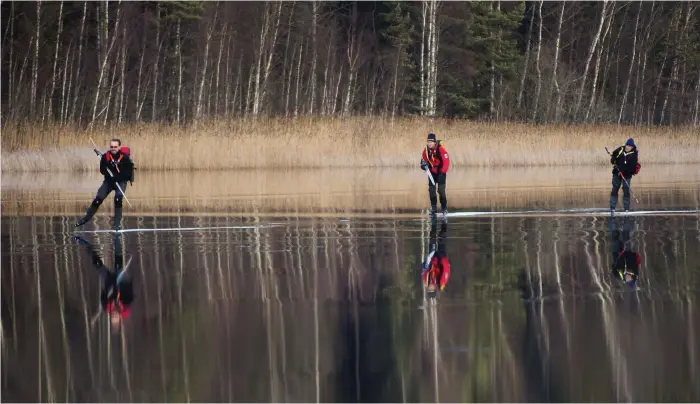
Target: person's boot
88, 215
433, 211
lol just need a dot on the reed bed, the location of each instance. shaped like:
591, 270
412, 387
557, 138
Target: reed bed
317, 142
346, 191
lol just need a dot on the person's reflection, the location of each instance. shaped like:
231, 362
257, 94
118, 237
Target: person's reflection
117, 292
625, 261
436, 268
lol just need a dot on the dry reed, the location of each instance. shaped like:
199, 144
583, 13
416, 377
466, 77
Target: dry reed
335, 142
346, 191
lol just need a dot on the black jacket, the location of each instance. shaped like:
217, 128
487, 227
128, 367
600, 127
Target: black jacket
626, 162
119, 164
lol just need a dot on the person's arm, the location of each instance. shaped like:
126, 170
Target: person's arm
445, 160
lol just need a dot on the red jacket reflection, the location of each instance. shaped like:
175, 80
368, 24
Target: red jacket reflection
438, 271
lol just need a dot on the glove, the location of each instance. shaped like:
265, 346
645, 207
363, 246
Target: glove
423, 165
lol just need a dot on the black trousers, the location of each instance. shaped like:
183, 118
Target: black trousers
440, 180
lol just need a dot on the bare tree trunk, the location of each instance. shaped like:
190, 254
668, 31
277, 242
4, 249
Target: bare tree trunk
423, 95
537, 64
64, 94
557, 46
629, 72
597, 63
139, 99
337, 90
210, 32
314, 8
641, 68
114, 70
674, 69
286, 66
289, 82
527, 58
227, 75
296, 92
697, 101
103, 67
434, 34
238, 90
261, 50
591, 52
661, 70
222, 43
122, 76
326, 88
35, 65
270, 56
178, 51
55, 60
10, 87
353, 50
396, 81
155, 66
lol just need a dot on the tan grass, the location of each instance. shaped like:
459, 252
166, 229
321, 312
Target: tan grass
336, 142
345, 191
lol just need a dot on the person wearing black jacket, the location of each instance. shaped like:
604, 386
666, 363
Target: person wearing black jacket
624, 161
117, 168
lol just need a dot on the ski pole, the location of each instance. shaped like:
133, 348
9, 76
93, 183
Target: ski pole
619, 172
432, 180
110, 173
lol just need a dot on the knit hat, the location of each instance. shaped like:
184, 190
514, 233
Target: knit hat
431, 137
630, 142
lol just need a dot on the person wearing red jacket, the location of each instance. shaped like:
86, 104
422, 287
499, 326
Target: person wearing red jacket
436, 268
117, 292
437, 161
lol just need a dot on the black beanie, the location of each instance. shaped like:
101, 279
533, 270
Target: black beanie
431, 136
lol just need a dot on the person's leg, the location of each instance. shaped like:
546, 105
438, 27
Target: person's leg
118, 200
626, 193
102, 193
433, 197
441, 190
616, 181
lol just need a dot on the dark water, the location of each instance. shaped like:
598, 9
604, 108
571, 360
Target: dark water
335, 310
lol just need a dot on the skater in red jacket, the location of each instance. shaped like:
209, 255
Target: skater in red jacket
437, 161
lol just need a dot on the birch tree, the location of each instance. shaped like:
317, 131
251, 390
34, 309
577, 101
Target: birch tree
591, 53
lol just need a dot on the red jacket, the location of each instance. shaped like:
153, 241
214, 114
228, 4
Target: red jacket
438, 160
439, 271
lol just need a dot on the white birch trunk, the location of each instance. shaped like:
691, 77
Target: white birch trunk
538, 88
65, 91
591, 52
423, 102
623, 104
596, 69
674, 71
696, 114
11, 80
337, 90
527, 59
289, 82
55, 60
270, 56
557, 47
140, 99
178, 51
261, 50
326, 88
155, 66
314, 57
123, 77
103, 68
296, 92
35, 65
222, 43
200, 96
79, 65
